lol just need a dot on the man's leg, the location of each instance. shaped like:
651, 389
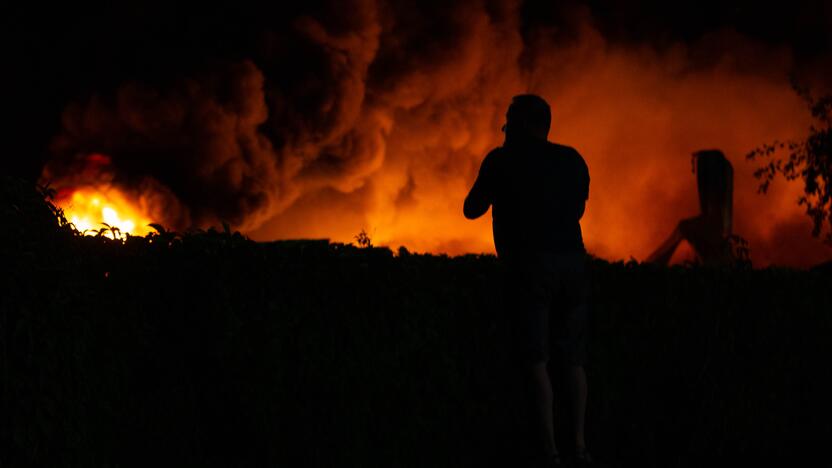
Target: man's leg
578, 391
572, 336
542, 390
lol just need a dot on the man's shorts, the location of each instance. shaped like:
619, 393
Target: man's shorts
546, 300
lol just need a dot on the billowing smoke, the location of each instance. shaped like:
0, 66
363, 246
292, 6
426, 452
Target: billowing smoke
373, 116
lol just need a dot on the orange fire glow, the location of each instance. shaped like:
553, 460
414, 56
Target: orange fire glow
394, 149
90, 208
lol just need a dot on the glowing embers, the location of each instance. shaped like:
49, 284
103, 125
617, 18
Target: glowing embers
93, 208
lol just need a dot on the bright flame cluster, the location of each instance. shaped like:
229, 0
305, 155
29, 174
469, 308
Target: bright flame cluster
88, 207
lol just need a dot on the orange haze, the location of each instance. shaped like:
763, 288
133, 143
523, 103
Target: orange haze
404, 120
636, 116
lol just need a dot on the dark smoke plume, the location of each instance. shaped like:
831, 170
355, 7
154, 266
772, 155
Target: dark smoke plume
376, 115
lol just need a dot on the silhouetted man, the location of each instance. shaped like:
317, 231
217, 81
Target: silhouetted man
538, 192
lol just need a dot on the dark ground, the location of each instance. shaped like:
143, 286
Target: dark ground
209, 349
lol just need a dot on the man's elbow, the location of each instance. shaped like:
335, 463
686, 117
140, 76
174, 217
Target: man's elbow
471, 210
469, 213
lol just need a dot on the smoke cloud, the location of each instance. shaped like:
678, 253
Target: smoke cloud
378, 120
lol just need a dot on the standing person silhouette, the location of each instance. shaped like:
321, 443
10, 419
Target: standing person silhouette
538, 191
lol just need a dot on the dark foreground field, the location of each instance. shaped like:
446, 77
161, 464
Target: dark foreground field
211, 350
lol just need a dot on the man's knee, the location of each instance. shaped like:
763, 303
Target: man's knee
538, 370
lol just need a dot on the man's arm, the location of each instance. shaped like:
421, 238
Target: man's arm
481, 195
583, 177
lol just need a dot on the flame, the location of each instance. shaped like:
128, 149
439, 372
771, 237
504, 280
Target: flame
90, 207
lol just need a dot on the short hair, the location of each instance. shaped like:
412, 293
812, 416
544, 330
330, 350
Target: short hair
531, 109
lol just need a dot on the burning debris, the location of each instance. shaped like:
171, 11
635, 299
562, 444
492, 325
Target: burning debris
88, 208
94, 198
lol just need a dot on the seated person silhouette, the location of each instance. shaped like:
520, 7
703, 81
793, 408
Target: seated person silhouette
708, 233
537, 191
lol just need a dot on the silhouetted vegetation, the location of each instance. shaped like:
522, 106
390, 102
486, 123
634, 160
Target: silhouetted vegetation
809, 159
363, 239
209, 349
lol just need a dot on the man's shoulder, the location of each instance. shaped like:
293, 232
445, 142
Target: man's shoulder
568, 152
495, 152
494, 156
563, 149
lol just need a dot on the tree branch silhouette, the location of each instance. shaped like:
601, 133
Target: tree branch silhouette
808, 159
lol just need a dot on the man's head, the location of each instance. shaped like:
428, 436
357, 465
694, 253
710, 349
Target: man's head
528, 116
